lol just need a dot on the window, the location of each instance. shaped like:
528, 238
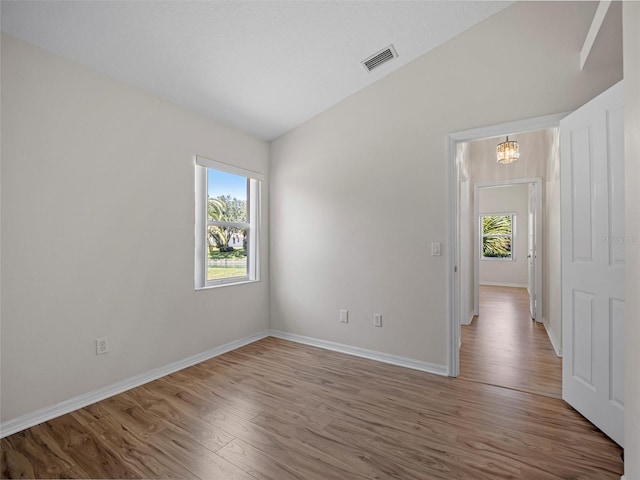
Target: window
497, 233
226, 224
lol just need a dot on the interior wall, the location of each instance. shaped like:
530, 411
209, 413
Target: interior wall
631, 32
359, 192
98, 232
551, 262
506, 199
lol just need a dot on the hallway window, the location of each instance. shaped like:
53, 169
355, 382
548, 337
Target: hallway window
497, 234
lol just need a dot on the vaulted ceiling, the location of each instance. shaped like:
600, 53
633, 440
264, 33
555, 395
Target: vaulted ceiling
260, 66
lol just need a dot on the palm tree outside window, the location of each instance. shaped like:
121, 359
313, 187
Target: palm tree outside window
497, 236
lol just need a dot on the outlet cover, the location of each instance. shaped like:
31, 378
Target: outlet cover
377, 320
102, 346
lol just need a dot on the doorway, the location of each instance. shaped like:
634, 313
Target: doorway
517, 204
592, 298
501, 265
461, 306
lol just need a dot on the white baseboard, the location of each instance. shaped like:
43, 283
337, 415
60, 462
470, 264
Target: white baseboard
364, 353
470, 320
47, 413
552, 338
505, 284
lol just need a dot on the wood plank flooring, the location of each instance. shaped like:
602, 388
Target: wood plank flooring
279, 410
504, 347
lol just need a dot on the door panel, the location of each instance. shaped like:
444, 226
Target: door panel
592, 179
615, 143
583, 306
616, 373
581, 197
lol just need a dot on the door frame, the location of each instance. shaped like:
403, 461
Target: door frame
453, 216
537, 183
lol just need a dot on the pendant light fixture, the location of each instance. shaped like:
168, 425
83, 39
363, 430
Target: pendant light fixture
508, 151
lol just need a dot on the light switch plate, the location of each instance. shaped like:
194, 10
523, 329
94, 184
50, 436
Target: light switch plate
435, 249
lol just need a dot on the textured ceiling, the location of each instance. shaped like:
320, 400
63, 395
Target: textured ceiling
260, 66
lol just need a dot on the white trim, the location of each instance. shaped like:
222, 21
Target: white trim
47, 413
453, 289
504, 284
453, 258
199, 226
509, 128
557, 347
67, 406
363, 352
470, 320
594, 29
225, 167
255, 218
236, 281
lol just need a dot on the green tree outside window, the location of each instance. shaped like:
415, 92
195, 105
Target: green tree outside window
497, 236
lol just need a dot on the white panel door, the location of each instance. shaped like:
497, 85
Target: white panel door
531, 252
593, 262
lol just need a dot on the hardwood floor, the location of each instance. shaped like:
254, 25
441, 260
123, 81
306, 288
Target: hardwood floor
504, 347
279, 410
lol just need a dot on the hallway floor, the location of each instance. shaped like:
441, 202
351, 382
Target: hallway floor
504, 347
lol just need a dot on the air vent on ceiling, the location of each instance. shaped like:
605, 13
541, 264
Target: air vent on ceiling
378, 58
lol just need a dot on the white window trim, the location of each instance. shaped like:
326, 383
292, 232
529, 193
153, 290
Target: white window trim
201, 223
513, 216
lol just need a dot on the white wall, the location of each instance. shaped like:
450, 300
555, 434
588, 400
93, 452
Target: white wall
97, 231
551, 262
631, 32
506, 199
359, 192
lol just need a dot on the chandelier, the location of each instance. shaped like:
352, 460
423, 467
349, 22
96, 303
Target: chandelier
508, 151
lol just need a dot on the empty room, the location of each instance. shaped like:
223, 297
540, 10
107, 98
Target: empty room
256, 239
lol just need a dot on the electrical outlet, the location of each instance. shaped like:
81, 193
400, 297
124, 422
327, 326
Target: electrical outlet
102, 346
344, 316
377, 320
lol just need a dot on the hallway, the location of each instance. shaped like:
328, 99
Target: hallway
504, 347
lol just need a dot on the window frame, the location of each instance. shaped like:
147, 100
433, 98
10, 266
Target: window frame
202, 223
512, 236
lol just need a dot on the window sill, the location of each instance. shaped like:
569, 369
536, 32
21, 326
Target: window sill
226, 284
